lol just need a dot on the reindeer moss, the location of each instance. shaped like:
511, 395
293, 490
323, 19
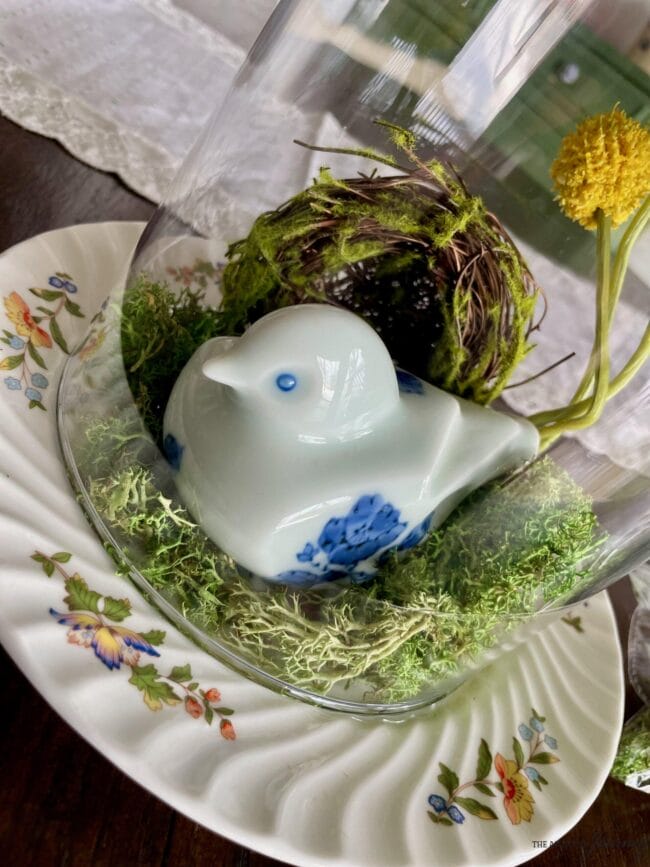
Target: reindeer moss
508, 550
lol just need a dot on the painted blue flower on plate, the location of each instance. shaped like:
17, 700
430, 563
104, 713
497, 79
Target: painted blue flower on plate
61, 281
440, 805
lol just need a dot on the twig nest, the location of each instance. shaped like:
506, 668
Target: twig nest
422, 260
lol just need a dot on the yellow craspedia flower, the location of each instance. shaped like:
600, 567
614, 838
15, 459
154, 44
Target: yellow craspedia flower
604, 164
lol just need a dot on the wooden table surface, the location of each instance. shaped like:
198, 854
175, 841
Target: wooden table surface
61, 802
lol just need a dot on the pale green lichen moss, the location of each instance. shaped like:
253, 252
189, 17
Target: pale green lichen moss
505, 552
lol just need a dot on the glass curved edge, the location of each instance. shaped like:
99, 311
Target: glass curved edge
206, 642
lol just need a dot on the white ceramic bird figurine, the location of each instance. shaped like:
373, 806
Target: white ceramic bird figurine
305, 454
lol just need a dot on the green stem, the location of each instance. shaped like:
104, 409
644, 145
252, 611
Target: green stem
59, 568
601, 340
559, 421
634, 364
621, 261
637, 225
366, 153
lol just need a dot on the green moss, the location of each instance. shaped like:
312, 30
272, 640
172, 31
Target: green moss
172, 553
633, 756
505, 552
160, 330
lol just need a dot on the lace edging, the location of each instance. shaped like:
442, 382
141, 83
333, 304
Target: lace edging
45, 109
185, 22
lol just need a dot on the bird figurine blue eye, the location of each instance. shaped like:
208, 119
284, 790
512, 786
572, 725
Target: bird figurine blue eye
362, 458
286, 381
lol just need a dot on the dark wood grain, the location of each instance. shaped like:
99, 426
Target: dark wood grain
61, 802
42, 187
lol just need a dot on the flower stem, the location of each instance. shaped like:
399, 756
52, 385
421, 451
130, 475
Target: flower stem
533, 748
458, 789
26, 370
637, 225
576, 407
628, 372
59, 568
600, 354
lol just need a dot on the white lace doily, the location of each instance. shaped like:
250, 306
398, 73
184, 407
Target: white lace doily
126, 85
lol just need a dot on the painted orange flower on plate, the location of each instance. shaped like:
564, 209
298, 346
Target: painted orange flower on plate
513, 783
19, 314
517, 798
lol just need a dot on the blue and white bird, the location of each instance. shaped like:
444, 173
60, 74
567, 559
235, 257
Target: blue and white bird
305, 455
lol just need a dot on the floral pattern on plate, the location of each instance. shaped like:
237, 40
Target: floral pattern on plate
34, 332
200, 275
575, 622
93, 622
514, 776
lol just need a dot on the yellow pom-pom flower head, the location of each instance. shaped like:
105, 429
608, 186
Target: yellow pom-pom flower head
604, 164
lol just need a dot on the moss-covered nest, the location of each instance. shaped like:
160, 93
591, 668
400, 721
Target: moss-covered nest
413, 252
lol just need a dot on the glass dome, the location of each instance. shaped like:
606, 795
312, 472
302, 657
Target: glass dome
392, 161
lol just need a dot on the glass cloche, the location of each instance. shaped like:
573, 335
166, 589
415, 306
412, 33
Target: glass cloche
373, 402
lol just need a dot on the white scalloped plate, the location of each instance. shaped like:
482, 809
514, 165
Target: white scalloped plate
297, 783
